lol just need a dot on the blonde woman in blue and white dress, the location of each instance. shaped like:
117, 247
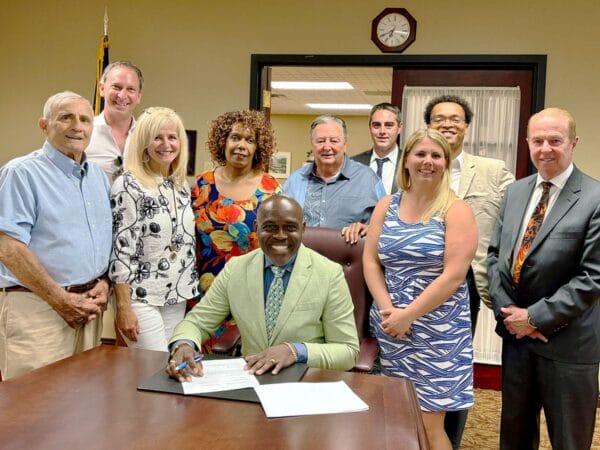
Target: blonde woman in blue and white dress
153, 261
419, 248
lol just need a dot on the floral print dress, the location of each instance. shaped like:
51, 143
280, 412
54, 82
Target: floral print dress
224, 228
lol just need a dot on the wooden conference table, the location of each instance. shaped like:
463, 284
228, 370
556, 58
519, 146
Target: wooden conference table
90, 401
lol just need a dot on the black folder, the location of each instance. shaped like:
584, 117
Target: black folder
161, 382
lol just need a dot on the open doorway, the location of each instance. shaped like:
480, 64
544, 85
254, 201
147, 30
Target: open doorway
526, 71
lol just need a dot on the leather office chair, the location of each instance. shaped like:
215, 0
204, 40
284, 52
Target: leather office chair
329, 243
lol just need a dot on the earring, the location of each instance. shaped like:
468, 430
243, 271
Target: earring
145, 157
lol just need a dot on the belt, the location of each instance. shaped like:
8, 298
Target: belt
76, 288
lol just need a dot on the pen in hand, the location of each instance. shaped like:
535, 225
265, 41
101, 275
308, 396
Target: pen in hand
184, 364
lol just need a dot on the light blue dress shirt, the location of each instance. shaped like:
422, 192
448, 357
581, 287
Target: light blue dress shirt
350, 197
61, 211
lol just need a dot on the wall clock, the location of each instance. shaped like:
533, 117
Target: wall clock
393, 30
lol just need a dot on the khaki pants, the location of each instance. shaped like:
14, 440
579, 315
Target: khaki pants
33, 335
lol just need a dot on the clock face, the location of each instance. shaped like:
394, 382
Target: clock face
393, 30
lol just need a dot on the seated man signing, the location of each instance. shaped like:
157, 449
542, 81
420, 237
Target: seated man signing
290, 303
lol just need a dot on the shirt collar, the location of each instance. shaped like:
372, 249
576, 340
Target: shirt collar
64, 163
312, 171
392, 156
459, 160
288, 266
101, 121
560, 180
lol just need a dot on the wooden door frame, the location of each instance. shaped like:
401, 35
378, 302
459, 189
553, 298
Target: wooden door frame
536, 64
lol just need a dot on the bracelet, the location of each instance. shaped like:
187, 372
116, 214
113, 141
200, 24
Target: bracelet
530, 322
293, 350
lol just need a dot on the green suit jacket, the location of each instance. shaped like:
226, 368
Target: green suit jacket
317, 309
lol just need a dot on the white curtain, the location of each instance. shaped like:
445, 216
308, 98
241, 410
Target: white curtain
493, 133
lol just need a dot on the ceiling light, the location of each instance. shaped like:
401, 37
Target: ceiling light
312, 85
352, 106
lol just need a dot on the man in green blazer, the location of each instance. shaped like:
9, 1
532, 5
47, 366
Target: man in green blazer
315, 323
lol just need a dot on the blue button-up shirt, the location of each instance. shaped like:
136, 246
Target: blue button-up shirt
60, 209
350, 197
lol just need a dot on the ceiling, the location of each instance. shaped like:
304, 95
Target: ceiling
372, 85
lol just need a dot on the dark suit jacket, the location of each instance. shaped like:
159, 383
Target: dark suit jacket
365, 158
560, 278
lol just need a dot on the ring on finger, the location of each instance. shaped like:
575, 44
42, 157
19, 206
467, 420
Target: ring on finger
272, 361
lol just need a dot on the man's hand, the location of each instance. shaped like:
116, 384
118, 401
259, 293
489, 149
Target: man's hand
99, 294
396, 322
184, 353
515, 321
76, 309
273, 359
354, 231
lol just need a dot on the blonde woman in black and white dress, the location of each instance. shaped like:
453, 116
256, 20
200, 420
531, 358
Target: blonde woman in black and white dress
153, 261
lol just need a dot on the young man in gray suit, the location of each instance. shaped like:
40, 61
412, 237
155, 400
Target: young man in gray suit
544, 277
385, 125
481, 182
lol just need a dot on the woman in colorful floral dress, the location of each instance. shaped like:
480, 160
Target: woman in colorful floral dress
225, 199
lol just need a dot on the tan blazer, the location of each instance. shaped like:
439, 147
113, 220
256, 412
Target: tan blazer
317, 309
483, 182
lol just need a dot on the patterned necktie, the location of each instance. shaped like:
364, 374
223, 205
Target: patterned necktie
274, 299
533, 226
380, 162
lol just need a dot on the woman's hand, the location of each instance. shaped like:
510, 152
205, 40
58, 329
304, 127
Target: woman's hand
127, 322
396, 322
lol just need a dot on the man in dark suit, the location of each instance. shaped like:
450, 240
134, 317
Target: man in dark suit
544, 277
385, 126
481, 182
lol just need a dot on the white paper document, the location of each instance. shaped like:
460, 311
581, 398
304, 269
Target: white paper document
220, 375
303, 399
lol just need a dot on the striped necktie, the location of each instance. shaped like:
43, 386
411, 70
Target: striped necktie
380, 162
533, 226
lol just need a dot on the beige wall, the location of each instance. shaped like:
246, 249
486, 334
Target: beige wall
195, 54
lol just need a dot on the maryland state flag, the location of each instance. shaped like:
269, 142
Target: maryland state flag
101, 63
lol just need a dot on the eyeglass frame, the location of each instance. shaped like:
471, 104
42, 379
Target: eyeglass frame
454, 120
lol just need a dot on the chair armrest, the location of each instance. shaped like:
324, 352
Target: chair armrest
227, 342
369, 350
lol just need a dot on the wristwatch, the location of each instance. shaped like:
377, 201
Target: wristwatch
530, 322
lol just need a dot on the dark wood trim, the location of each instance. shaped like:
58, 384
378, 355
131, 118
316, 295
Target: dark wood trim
534, 63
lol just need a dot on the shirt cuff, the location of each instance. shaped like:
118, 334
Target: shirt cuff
302, 352
182, 341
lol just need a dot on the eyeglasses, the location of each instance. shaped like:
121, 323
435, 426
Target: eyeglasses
454, 120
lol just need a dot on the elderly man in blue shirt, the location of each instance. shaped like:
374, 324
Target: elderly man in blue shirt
335, 191
55, 241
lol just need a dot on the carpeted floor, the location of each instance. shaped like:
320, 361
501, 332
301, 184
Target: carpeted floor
483, 424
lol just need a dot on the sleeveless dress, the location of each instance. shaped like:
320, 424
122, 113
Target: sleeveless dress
224, 229
437, 357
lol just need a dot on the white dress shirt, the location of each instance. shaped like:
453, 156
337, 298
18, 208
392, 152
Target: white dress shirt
389, 168
558, 183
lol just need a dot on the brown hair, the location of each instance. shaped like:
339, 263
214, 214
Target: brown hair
253, 120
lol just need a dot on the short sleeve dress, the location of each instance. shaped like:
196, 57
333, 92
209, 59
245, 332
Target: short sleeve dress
437, 356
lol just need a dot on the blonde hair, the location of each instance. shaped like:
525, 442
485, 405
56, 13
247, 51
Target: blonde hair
147, 128
444, 196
